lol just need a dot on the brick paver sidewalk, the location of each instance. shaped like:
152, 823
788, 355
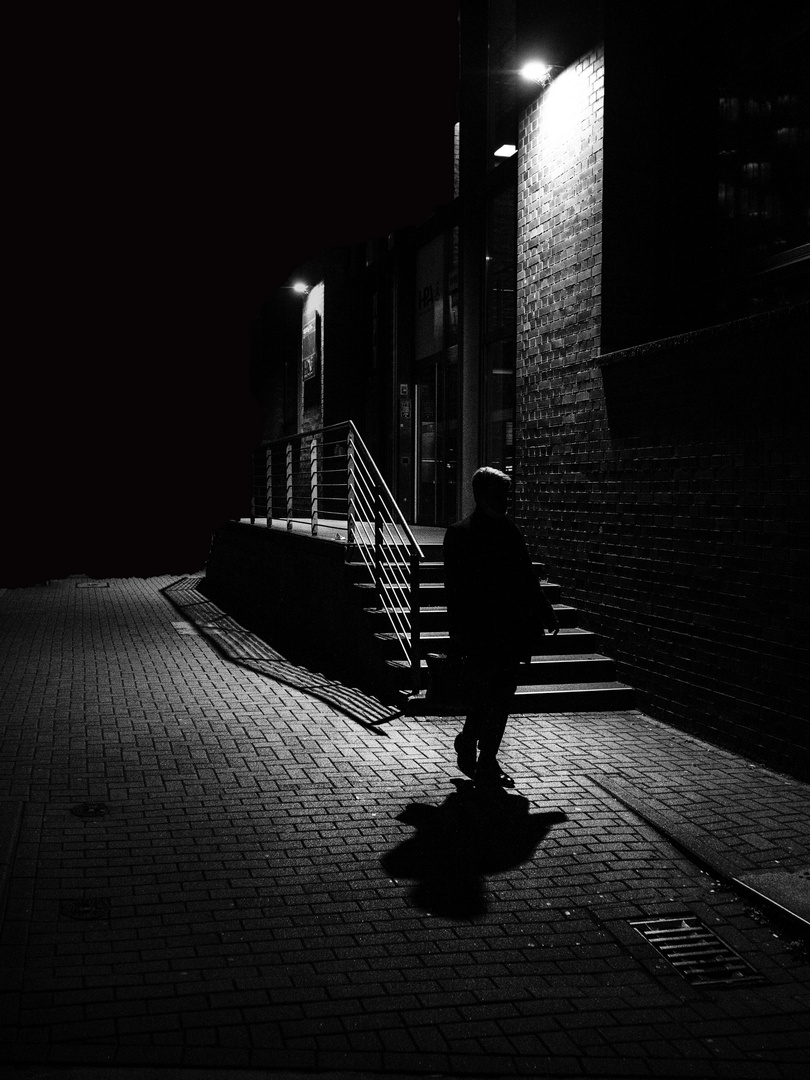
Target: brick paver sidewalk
209, 860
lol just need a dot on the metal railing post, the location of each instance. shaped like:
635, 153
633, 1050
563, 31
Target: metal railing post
289, 486
313, 484
269, 486
378, 540
350, 493
416, 650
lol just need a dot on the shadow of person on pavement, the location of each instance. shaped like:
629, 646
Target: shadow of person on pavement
471, 836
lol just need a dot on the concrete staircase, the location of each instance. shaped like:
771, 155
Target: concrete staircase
571, 676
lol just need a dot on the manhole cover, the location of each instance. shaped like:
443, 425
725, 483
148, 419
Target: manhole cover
90, 810
695, 951
85, 909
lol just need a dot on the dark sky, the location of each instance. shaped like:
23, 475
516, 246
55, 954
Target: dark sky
169, 174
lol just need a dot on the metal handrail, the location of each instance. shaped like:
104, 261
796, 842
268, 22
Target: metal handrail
328, 479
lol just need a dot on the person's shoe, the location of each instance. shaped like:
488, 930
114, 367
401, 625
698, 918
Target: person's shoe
465, 755
493, 776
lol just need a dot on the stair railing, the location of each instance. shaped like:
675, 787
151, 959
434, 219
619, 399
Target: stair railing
327, 482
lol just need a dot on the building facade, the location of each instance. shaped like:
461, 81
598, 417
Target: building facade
614, 310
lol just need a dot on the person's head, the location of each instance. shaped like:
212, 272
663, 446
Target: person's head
491, 491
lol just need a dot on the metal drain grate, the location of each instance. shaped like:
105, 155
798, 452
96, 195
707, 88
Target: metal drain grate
696, 952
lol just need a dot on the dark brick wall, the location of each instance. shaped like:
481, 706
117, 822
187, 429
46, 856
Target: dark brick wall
666, 486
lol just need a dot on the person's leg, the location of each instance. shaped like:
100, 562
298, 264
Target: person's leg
492, 731
478, 692
493, 724
467, 740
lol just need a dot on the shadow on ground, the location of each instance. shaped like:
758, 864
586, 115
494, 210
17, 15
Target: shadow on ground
471, 836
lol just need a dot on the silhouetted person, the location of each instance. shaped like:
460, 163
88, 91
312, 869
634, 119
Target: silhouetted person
497, 612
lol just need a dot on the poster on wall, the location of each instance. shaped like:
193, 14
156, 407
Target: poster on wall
311, 347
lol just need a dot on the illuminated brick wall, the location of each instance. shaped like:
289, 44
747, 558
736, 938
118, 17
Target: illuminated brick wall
662, 485
560, 407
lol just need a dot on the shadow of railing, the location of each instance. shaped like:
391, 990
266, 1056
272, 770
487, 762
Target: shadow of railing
245, 649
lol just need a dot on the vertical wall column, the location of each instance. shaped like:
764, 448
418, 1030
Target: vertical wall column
268, 479
472, 159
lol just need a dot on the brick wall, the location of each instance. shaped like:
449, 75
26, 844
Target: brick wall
664, 486
559, 399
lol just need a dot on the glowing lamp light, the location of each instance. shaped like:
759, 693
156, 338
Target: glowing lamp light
301, 287
507, 150
537, 72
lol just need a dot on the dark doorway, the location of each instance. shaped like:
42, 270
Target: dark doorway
437, 440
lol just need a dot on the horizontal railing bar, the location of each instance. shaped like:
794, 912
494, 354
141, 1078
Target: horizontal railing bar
284, 439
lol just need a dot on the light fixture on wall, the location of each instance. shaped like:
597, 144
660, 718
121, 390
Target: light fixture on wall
506, 151
299, 287
537, 71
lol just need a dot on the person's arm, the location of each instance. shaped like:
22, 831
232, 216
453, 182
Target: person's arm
456, 589
541, 606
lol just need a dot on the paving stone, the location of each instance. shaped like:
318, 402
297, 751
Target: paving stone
250, 910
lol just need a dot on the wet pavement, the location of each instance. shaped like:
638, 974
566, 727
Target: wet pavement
213, 861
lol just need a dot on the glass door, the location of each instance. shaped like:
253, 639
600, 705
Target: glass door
437, 441
427, 451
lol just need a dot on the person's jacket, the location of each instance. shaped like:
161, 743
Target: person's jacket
494, 601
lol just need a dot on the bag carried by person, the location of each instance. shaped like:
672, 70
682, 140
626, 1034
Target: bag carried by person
446, 682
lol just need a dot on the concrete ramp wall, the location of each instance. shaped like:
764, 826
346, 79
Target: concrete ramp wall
293, 591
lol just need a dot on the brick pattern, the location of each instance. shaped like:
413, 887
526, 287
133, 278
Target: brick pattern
276, 874
666, 500
559, 248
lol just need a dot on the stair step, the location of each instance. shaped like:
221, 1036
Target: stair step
439, 565
434, 592
429, 587
568, 668
429, 569
570, 640
431, 617
574, 697
433, 552
544, 670
569, 675
559, 697
564, 612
